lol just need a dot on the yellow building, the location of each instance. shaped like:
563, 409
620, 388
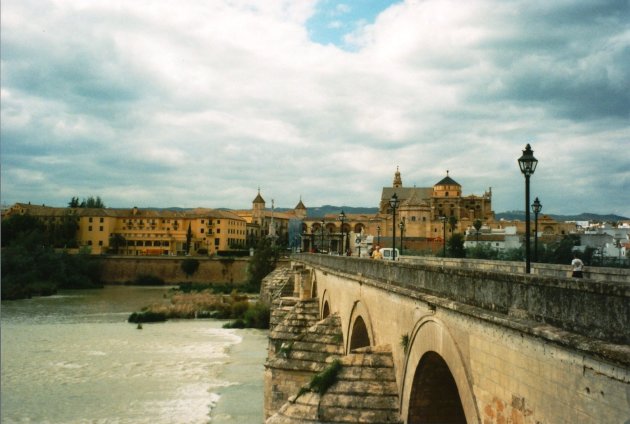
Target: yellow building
146, 231
263, 222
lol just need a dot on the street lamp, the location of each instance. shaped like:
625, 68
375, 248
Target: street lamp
321, 247
444, 219
393, 202
536, 208
402, 233
378, 235
342, 218
527, 163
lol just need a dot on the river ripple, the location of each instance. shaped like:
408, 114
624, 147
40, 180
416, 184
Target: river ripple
73, 358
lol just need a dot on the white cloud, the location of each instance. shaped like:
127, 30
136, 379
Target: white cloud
199, 103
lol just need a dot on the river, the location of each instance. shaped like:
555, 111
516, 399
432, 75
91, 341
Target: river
73, 358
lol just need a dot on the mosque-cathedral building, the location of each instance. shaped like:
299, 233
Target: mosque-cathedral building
424, 212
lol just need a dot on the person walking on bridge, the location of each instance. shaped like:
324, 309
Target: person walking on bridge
578, 267
377, 253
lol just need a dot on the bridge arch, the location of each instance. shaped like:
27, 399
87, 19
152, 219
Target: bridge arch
435, 371
313, 283
325, 305
359, 332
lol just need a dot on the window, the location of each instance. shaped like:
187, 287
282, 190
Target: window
100, 243
90, 227
89, 219
89, 242
218, 231
216, 242
100, 228
101, 220
201, 230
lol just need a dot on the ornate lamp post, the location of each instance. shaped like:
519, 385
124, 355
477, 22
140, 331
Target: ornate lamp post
342, 219
536, 208
393, 202
378, 235
527, 163
321, 247
402, 234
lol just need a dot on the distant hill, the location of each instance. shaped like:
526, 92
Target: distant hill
320, 211
584, 216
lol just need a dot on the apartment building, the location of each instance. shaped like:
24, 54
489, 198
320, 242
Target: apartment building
142, 232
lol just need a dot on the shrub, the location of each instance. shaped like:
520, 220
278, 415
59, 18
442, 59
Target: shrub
320, 383
146, 316
239, 323
257, 316
190, 266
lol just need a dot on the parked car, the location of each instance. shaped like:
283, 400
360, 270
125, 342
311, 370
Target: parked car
387, 253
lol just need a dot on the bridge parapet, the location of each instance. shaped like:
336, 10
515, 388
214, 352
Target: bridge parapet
591, 315
619, 275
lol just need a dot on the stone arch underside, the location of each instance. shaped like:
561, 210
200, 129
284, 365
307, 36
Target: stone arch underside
359, 332
359, 336
325, 305
434, 355
434, 398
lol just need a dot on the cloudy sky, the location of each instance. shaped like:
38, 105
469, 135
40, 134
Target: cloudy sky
199, 103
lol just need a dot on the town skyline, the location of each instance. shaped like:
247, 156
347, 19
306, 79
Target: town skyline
193, 104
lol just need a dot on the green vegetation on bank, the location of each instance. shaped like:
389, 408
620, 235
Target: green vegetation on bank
193, 300
32, 267
207, 304
321, 382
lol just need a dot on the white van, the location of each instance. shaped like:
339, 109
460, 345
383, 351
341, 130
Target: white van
387, 253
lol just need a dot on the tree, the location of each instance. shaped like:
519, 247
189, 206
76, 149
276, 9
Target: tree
74, 203
19, 227
452, 222
561, 252
189, 236
30, 268
116, 241
92, 202
456, 246
262, 263
477, 224
482, 251
63, 233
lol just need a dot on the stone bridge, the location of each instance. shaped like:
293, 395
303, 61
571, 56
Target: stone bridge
431, 343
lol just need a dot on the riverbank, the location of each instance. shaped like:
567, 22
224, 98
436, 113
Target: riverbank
245, 310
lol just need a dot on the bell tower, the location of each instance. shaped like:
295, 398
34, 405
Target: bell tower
397, 179
258, 208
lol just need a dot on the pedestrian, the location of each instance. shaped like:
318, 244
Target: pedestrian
377, 253
578, 266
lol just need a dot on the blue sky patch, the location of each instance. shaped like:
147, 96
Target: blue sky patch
334, 19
